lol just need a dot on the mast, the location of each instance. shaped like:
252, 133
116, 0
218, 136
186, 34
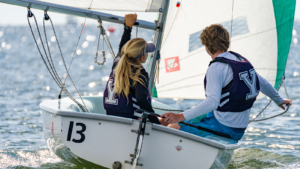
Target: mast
157, 41
45, 6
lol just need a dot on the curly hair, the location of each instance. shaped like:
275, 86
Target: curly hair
216, 38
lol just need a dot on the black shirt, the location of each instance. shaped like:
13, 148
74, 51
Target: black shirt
139, 91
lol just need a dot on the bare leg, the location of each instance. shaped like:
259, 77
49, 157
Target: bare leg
174, 126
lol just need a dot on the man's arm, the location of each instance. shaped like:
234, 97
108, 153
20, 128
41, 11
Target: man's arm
267, 89
214, 78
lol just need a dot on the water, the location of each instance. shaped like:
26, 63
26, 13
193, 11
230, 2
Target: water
25, 83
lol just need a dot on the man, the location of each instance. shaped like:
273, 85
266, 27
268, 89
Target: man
231, 87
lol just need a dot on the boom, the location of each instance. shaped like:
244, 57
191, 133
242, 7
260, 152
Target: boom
75, 11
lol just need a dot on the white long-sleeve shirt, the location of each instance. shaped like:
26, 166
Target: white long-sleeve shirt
218, 75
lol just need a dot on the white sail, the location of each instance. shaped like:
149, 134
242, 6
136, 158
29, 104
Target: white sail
257, 27
112, 5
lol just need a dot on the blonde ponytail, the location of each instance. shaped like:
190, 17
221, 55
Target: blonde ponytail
123, 72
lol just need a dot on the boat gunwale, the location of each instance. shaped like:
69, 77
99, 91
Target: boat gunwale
129, 121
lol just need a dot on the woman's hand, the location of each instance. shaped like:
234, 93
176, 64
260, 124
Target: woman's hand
173, 118
287, 102
130, 19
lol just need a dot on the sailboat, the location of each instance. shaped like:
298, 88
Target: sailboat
260, 30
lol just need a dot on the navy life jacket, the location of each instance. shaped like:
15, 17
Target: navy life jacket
240, 94
119, 106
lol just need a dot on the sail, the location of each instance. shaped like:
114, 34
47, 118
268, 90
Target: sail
112, 5
260, 30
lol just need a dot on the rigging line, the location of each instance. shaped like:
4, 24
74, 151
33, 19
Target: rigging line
39, 48
51, 63
90, 5
287, 95
109, 48
231, 23
105, 38
75, 50
56, 80
271, 116
171, 26
253, 120
167, 109
64, 61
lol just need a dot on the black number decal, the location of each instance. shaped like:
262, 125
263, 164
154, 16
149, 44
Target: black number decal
83, 128
70, 130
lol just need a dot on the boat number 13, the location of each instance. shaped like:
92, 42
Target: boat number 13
80, 132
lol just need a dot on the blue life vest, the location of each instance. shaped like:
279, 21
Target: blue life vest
240, 94
119, 106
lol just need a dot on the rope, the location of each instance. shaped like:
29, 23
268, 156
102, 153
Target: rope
167, 109
231, 23
271, 116
171, 25
52, 71
253, 120
62, 58
102, 32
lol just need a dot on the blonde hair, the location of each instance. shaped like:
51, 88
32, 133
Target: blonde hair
123, 72
216, 38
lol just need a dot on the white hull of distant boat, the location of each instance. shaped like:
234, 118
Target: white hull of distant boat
98, 140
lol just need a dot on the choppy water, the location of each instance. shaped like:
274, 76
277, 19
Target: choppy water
25, 82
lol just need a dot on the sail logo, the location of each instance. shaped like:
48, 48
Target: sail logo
172, 64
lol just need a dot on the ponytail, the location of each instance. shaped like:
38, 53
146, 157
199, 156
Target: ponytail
128, 68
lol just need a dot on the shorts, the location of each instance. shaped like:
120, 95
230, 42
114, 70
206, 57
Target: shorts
210, 122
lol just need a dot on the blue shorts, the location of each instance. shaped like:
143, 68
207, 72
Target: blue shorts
210, 122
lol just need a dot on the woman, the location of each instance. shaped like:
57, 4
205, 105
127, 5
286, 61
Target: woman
127, 87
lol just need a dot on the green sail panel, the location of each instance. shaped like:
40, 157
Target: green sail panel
284, 15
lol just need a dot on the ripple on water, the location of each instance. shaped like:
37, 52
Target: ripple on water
257, 158
40, 158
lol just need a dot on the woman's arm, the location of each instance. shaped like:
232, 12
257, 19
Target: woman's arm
130, 19
141, 93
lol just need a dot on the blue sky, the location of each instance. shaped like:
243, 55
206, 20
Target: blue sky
15, 15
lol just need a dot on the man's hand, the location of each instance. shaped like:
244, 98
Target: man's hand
130, 19
287, 102
173, 118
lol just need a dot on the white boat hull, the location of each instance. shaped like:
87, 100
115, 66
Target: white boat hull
107, 139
